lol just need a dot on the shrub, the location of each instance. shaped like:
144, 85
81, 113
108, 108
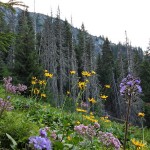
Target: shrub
18, 127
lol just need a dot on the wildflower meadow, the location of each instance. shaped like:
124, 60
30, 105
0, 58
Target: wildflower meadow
33, 123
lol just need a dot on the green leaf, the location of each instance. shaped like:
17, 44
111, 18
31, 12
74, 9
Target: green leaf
12, 140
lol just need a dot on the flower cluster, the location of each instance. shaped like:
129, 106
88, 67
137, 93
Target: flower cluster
88, 131
90, 118
81, 129
40, 142
130, 85
88, 74
105, 119
47, 74
5, 106
12, 88
109, 140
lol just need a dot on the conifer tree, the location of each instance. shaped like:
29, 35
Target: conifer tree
26, 58
107, 63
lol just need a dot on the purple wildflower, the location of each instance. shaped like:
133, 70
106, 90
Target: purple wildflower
43, 133
5, 105
96, 125
12, 88
130, 85
40, 142
109, 140
81, 129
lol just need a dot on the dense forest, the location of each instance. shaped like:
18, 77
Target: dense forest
26, 50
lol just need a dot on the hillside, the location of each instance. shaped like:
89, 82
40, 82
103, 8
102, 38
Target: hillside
25, 117
62, 88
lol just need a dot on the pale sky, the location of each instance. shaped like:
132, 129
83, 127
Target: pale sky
103, 17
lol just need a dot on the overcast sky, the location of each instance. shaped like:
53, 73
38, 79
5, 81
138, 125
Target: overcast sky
103, 17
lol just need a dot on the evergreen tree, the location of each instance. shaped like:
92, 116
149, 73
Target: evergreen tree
26, 58
106, 63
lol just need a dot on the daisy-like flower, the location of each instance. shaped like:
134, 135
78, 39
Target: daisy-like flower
33, 82
81, 85
107, 86
93, 72
92, 100
140, 114
103, 97
86, 73
72, 72
80, 110
68, 92
138, 144
43, 95
36, 91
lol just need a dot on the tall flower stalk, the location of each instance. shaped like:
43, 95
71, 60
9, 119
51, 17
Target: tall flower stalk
129, 87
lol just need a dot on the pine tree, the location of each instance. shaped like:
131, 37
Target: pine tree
26, 58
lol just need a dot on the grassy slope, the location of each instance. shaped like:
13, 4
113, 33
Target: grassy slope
38, 115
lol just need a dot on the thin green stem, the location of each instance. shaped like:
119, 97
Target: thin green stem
142, 131
127, 120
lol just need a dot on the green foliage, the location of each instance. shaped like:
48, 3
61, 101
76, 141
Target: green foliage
27, 114
106, 63
18, 127
26, 58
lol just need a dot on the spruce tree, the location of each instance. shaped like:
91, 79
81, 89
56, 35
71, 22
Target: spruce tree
26, 58
107, 63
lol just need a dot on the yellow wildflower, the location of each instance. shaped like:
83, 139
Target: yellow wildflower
36, 91
78, 122
42, 82
138, 144
87, 81
33, 82
45, 71
90, 118
68, 92
50, 75
81, 85
43, 95
69, 138
102, 118
107, 120
92, 100
86, 73
93, 72
107, 86
140, 114
80, 110
91, 113
103, 97
72, 72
